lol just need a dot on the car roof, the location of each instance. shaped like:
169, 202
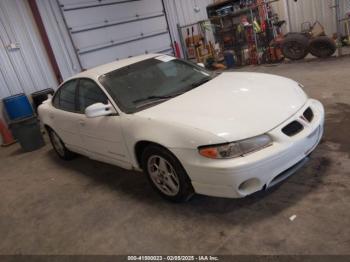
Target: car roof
106, 68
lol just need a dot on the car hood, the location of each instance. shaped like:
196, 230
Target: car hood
233, 106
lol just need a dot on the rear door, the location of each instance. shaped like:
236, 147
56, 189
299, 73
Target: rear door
65, 115
102, 136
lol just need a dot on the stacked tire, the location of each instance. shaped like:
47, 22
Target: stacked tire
296, 46
322, 47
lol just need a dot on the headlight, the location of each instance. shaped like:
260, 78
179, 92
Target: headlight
236, 149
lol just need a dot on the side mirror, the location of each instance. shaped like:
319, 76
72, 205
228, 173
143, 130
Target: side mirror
201, 65
99, 109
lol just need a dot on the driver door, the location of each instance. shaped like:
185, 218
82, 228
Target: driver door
102, 136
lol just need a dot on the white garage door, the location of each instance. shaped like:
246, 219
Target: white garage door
105, 31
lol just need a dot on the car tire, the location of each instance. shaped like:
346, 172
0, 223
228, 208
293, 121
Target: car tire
166, 174
295, 46
322, 47
60, 147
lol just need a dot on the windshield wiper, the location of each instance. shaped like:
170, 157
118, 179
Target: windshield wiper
200, 82
157, 98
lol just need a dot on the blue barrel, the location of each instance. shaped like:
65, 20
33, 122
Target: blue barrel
18, 107
229, 59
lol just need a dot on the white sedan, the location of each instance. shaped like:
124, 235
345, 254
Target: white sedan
190, 130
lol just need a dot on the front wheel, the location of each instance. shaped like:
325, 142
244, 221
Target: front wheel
59, 146
166, 174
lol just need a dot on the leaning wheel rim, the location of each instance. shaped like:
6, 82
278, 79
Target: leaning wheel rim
295, 48
163, 175
57, 144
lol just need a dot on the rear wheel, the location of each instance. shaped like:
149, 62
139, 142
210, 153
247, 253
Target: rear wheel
322, 47
295, 46
166, 174
59, 146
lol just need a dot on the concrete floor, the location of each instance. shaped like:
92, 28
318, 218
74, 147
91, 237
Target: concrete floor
48, 206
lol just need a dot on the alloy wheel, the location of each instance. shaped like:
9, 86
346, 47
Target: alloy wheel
163, 175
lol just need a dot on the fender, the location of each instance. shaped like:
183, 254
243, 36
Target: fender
167, 134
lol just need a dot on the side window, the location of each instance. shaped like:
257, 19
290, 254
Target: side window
65, 98
90, 93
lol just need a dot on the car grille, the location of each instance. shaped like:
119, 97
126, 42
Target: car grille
296, 126
293, 128
309, 115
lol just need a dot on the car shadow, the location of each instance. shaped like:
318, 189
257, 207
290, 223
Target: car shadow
134, 185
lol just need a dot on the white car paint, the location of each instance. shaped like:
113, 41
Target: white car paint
231, 107
249, 104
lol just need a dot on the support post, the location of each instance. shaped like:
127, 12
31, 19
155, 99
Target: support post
42, 31
337, 17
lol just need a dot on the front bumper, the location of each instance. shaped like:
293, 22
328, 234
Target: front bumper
239, 177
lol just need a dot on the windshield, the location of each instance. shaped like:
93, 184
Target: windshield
152, 81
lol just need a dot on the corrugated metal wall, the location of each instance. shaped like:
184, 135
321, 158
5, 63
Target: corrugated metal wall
25, 68
184, 12
312, 10
189, 11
